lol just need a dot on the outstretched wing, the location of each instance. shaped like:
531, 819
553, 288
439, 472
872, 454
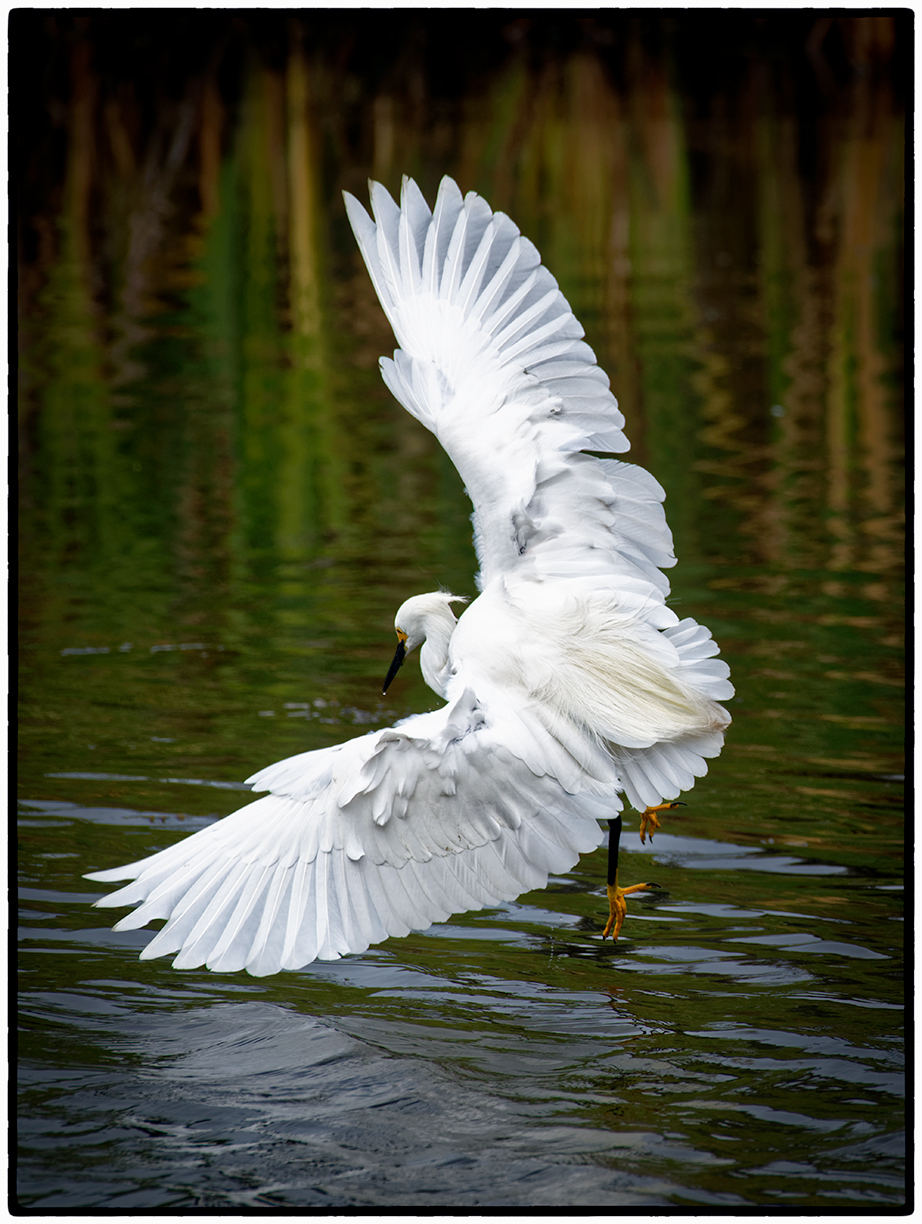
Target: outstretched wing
492, 360
448, 811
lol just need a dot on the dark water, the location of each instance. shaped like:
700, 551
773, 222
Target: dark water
221, 508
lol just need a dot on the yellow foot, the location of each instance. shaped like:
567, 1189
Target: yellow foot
617, 907
648, 821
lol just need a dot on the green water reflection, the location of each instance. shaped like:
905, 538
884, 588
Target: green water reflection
221, 508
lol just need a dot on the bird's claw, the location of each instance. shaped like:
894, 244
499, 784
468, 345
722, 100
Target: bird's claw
617, 910
617, 907
649, 822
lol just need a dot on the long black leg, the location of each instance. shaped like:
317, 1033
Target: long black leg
614, 841
616, 906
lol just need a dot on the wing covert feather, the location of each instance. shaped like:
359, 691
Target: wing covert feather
316, 869
483, 327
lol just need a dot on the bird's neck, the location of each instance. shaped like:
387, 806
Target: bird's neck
433, 654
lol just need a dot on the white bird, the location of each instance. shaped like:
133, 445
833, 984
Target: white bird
567, 682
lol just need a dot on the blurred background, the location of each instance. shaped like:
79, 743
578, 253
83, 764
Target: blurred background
221, 508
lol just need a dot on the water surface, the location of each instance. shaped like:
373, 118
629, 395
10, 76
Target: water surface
221, 508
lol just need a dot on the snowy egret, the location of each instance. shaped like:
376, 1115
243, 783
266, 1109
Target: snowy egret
568, 682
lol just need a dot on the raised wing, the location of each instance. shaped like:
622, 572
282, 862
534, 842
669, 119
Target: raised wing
379, 836
492, 360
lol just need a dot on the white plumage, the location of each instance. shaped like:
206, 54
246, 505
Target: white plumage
568, 681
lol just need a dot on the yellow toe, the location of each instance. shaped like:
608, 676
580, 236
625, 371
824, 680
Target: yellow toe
649, 822
617, 907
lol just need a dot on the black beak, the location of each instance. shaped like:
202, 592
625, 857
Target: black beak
396, 665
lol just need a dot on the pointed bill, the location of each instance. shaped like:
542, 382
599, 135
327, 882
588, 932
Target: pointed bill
396, 664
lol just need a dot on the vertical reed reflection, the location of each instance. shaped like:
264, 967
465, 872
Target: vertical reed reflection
313, 440
68, 405
199, 396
